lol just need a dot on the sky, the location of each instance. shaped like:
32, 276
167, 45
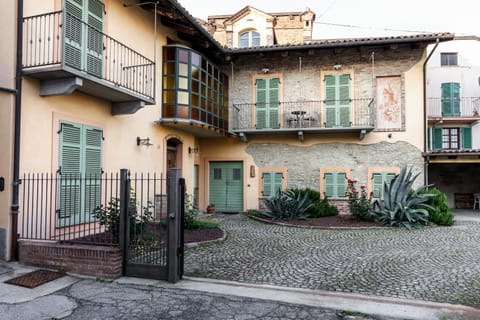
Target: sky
362, 18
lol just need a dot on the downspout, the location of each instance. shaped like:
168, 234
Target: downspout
425, 163
16, 142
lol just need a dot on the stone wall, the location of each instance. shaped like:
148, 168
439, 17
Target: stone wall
301, 71
304, 163
97, 261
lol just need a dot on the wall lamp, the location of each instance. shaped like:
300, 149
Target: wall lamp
337, 66
143, 142
192, 150
265, 70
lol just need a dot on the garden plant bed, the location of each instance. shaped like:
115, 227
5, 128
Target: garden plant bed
324, 222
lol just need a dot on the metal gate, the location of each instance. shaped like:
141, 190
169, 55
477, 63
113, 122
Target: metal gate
151, 222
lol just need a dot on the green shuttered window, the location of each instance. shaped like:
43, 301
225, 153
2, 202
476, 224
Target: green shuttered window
335, 184
80, 160
378, 183
271, 183
451, 99
83, 35
268, 103
337, 100
448, 138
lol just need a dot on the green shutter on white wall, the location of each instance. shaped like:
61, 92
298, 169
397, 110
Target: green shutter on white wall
467, 138
335, 184
437, 138
451, 99
267, 184
377, 185
344, 100
330, 100
274, 103
277, 181
341, 185
329, 185
92, 169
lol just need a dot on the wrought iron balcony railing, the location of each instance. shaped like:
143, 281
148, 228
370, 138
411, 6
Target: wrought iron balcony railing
457, 107
318, 114
59, 41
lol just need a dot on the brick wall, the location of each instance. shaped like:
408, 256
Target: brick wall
100, 261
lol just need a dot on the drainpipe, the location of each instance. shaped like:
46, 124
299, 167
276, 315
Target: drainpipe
16, 142
425, 163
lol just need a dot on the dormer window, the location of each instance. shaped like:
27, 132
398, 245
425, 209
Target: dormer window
249, 38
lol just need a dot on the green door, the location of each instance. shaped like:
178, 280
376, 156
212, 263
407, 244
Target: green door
226, 186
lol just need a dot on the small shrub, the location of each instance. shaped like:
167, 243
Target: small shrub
191, 213
319, 207
203, 224
439, 213
288, 205
110, 216
358, 202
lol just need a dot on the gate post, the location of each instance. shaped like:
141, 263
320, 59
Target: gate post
123, 228
174, 215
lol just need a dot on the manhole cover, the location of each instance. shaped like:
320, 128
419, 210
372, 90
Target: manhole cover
35, 278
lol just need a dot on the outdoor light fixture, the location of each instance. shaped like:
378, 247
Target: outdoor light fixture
192, 150
337, 66
143, 142
265, 70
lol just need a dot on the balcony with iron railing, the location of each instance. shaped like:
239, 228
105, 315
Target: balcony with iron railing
302, 117
465, 110
67, 54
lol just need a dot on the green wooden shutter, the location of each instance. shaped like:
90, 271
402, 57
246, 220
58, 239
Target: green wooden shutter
344, 100
70, 169
429, 139
261, 104
337, 100
437, 138
274, 103
450, 99
377, 183
467, 138
94, 38
277, 181
330, 100
92, 168
74, 33
267, 184
388, 178
341, 184
329, 184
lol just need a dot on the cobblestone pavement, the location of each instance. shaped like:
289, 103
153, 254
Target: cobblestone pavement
434, 264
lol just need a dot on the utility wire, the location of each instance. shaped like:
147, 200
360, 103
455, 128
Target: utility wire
362, 27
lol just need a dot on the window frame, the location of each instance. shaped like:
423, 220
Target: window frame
270, 170
448, 144
448, 59
375, 170
324, 171
252, 35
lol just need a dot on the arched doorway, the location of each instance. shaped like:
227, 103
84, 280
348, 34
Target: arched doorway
174, 154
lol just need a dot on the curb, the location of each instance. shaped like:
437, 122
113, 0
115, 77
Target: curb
286, 224
207, 242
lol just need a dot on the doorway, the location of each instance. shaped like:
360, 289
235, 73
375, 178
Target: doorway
226, 186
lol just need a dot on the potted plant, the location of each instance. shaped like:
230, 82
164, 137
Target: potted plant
211, 208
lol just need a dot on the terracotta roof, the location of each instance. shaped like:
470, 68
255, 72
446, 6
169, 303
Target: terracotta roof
350, 42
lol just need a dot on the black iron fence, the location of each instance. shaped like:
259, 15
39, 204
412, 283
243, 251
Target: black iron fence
85, 208
59, 38
304, 114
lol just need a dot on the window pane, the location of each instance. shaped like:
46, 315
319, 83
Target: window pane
183, 69
217, 174
183, 83
183, 56
182, 97
195, 59
236, 174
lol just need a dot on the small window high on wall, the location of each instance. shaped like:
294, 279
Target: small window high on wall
249, 38
449, 59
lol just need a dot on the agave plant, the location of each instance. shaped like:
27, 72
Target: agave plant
402, 206
288, 205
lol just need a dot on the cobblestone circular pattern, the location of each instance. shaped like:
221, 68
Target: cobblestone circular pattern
439, 264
